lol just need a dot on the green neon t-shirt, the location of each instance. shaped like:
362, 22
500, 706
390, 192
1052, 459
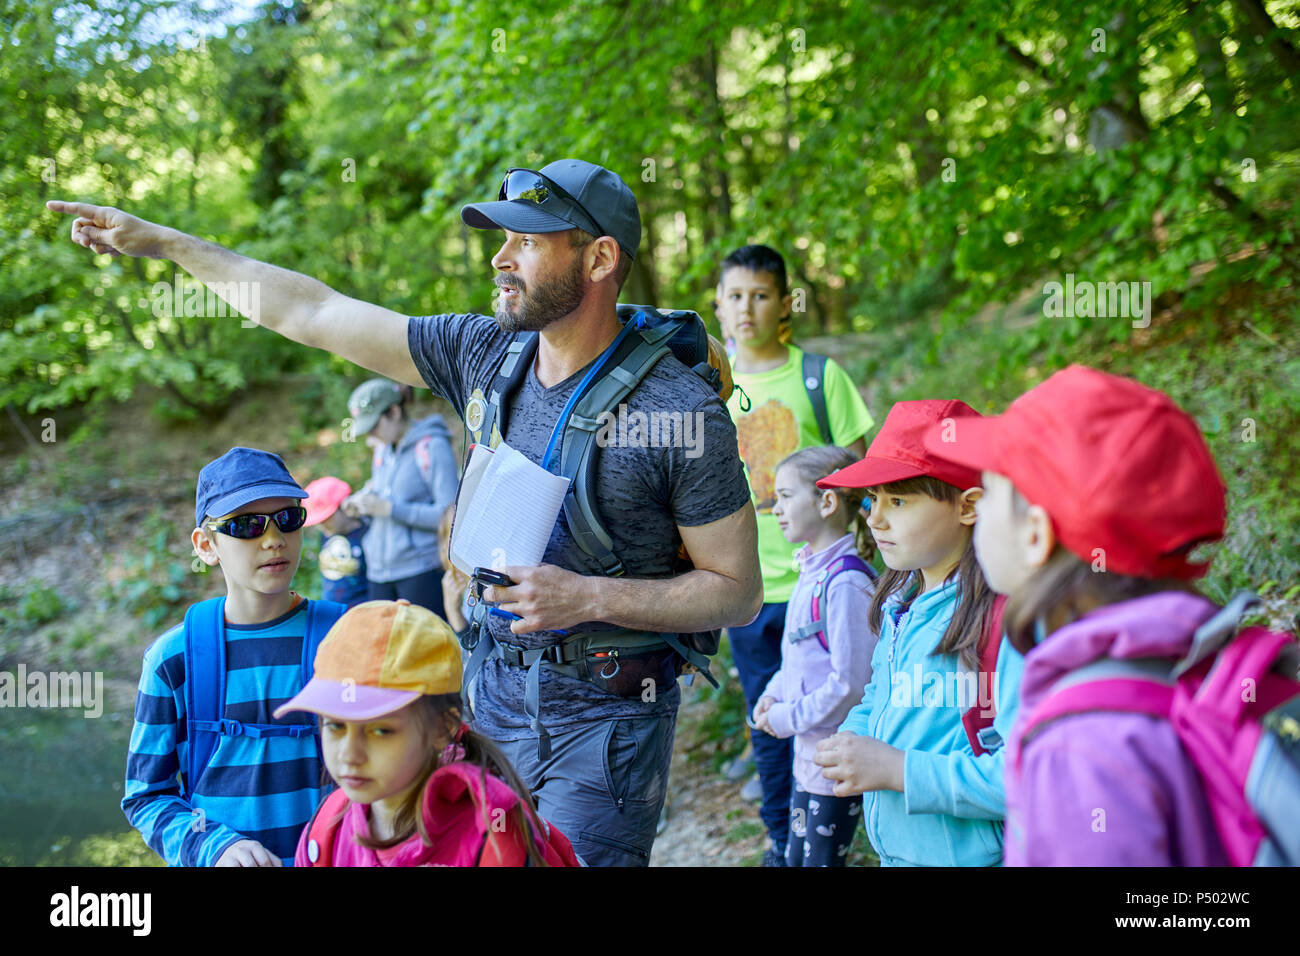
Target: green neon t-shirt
779, 422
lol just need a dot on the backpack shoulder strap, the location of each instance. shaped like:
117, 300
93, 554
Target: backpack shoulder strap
1134, 686
509, 376
814, 379
321, 616
991, 639
205, 684
845, 562
1218, 631
324, 827
978, 718
631, 362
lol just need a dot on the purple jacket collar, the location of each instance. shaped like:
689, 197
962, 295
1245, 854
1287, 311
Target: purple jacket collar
811, 562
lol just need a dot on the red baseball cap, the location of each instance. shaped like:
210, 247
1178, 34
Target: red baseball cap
898, 451
326, 495
1118, 467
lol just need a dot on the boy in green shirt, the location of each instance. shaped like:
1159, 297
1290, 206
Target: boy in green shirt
754, 308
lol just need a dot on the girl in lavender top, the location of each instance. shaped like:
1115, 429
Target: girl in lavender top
826, 648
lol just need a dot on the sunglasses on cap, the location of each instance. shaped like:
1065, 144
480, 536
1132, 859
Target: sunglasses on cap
254, 526
529, 186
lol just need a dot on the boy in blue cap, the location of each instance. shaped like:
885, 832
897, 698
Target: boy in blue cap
211, 778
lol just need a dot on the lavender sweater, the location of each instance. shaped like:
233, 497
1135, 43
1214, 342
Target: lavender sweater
815, 688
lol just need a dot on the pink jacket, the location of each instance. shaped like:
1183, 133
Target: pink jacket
468, 824
1109, 789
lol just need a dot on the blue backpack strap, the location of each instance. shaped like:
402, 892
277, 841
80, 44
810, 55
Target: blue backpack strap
205, 681
205, 684
321, 616
814, 383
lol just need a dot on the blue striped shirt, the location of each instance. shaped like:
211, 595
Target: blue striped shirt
262, 789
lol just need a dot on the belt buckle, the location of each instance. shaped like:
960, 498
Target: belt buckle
512, 654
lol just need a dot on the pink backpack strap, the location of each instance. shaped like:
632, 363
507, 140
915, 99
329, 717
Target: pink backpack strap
1248, 658
424, 458
1117, 686
845, 562
324, 827
1219, 725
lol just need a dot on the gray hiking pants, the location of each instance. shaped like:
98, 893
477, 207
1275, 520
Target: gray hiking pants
603, 785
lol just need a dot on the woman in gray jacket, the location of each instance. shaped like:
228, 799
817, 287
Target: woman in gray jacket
413, 480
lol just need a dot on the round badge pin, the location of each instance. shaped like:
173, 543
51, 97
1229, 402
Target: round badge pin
475, 412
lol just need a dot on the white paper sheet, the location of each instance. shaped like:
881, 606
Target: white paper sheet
508, 508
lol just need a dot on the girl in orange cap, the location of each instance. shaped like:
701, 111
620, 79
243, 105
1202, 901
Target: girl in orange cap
417, 787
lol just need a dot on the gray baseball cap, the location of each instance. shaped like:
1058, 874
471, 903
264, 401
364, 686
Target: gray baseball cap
537, 208
370, 400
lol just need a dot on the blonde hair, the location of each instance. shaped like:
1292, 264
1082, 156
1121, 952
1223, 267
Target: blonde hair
444, 549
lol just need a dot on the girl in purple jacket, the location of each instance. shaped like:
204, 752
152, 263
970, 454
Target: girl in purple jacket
1096, 489
826, 653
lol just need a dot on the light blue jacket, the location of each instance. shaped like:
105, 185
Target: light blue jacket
950, 812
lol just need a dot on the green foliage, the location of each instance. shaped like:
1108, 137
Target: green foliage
157, 582
723, 719
1014, 144
40, 605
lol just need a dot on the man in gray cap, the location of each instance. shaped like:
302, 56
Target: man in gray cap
571, 232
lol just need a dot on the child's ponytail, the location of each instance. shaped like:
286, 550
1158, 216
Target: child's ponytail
863, 540
814, 464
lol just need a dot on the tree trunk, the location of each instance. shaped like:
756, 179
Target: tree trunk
1202, 25
1259, 23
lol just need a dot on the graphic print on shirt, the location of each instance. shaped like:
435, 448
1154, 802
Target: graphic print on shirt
337, 560
765, 436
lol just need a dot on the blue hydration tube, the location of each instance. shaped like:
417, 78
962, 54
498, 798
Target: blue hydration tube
635, 323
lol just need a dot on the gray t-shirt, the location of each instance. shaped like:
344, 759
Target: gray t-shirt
644, 492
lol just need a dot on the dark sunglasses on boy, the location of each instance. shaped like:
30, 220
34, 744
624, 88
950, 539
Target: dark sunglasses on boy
254, 526
533, 187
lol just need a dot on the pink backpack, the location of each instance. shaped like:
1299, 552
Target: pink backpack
1234, 702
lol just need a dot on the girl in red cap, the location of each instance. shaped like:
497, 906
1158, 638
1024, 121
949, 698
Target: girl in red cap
825, 651
932, 791
417, 787
1096, 489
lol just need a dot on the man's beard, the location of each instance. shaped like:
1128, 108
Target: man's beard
549, 301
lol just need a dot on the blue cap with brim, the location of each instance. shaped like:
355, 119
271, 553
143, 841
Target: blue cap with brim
600, 191
241, 476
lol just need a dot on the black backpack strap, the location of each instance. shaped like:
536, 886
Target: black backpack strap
510, 375
579, 450
814, 383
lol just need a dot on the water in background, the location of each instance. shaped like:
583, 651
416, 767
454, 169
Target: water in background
61, 779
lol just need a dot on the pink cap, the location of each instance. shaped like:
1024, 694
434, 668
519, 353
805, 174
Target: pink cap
326, 494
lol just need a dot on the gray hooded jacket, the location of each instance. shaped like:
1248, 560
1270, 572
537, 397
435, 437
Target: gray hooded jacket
420, 479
